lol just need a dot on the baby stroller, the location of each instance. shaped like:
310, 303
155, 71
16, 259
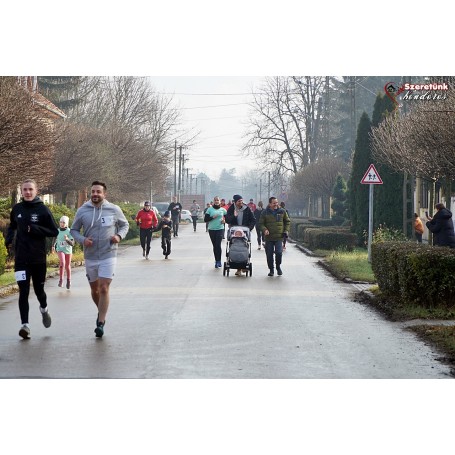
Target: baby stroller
238, 250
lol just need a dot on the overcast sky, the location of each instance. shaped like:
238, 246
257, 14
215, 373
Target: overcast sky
217, 108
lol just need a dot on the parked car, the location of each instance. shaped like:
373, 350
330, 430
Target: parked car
161, 207
185, 215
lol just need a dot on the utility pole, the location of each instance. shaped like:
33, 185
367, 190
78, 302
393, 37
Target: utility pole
183, 173
180, 174
175, 168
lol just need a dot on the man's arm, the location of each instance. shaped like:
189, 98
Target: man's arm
230, 218
122, 223
48, 229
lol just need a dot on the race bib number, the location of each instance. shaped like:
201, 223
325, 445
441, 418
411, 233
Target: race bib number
107, 221
63, 243
20, 275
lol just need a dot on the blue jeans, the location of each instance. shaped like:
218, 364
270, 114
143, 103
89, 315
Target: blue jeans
274, 247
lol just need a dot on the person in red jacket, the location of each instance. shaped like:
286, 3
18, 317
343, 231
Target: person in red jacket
147, 221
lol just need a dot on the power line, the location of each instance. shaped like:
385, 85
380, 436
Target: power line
216, 105
209, 94
213, 118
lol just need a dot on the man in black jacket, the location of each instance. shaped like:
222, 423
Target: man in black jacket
239, 214
33, 222
176, 209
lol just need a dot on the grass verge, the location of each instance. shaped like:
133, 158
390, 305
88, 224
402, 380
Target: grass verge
441, 337
350, 264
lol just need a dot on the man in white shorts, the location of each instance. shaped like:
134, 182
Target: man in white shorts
103, 225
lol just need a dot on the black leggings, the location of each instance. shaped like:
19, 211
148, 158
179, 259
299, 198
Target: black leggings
145, 236
36, 272
216, 236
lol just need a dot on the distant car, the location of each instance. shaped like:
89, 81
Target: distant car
161, 207
185, 215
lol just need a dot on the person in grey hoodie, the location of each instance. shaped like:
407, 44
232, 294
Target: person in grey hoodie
103, 226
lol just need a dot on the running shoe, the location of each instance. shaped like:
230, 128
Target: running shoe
46, 317
279, 271
99, 331
24, 332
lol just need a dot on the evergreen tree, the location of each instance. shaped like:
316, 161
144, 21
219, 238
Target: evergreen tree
339, 200
388, 197
359, 193
66, 92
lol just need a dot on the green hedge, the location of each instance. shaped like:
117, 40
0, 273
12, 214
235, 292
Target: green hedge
417, 274
296, 231
3, 254
329, 238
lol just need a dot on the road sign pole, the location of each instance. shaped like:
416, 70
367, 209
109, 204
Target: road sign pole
370, 222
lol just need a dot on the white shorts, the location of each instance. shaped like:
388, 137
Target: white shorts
104, 268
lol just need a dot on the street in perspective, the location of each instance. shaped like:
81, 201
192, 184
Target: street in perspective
181, 318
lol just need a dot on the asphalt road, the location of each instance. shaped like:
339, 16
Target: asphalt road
181, 318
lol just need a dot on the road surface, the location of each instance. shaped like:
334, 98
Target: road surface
181, 318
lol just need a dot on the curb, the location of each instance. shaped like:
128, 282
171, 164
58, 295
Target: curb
13, 288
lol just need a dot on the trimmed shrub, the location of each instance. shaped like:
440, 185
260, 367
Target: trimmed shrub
3, 254
329, 238
417, 274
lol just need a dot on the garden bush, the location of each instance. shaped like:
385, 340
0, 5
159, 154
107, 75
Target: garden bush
3, 254
416, 273
329, 238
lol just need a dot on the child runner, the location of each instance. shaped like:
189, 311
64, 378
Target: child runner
165, 226
64, 247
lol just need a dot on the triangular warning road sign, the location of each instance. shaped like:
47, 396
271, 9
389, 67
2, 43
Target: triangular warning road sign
371, 176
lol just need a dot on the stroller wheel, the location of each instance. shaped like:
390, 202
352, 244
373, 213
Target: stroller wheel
251, 269
224, 269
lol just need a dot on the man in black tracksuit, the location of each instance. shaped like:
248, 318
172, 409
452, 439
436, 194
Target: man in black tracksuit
33, 222
175, 208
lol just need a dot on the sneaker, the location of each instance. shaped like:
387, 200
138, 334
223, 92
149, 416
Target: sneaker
143, 253
147, 257
271, 273
60, 284
259, 247
238, 273
165, 257
68, 284
279, 271
24, 332
99, 331
46, 317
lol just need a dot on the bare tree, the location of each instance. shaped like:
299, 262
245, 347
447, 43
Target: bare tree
26, 138
285, 124
134, 143
317, 181
421, 142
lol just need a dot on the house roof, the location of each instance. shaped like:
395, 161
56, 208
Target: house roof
42, 101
